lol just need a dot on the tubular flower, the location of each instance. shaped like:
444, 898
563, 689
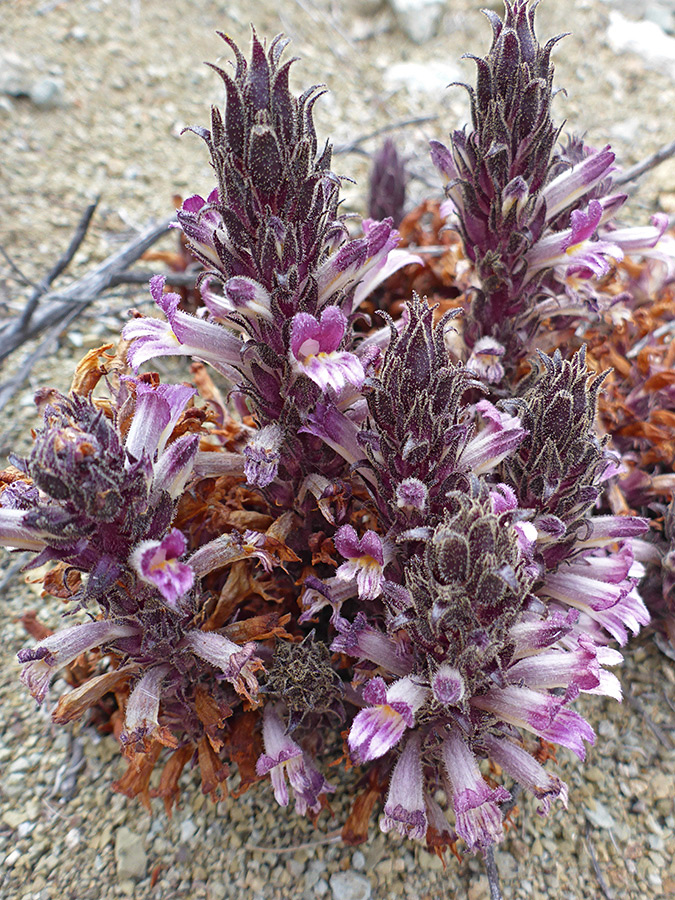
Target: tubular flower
283, 759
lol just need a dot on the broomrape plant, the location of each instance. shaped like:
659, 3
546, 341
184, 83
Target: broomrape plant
390, 529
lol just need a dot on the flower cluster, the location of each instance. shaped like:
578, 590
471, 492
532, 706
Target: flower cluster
535, 221
404, 531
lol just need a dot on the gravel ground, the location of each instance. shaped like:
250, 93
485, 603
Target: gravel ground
111, 85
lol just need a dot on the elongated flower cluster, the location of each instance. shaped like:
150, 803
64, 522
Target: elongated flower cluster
535, 221
392, 530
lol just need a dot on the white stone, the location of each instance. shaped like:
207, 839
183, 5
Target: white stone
424, 78
15, 77
73, 838
130, 854
188, 830
646, 39
600, 816
349, 886
418, 18
47, 93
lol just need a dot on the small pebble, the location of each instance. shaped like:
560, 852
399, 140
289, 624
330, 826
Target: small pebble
47, 93
349, 886
130, 855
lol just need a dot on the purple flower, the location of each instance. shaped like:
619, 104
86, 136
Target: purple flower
571, 185
500, 436
158, 563
263, 454
573, 249
314, 350
282, 759
62, 647
412, 495
158, 409
521, 766
237, 663
181, 335
540, 713
364, 641
485, 360
448, 685
476, 804
405, 809
365, 560
639, 238
381, 726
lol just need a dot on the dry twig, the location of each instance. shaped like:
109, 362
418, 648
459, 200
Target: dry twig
10, 387
658, 732
492, 874
60, 266
596, 867
391, 126
650, 162
57, 305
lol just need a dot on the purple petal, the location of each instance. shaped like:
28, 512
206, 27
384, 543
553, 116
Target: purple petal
405, 809
526, 771
476, 804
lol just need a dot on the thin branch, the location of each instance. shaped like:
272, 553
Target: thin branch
492, 874
391, 126
84, 290
13, 569
658, 733
61, 264
596, 866
10, 387
332, 838
24, 279
174, 279
650, 162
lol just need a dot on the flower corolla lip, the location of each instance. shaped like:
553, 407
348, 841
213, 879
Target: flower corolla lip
314, 350
379, 727
485, 360
405, 808
201, 222
448, 685
365, 560
158, 563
